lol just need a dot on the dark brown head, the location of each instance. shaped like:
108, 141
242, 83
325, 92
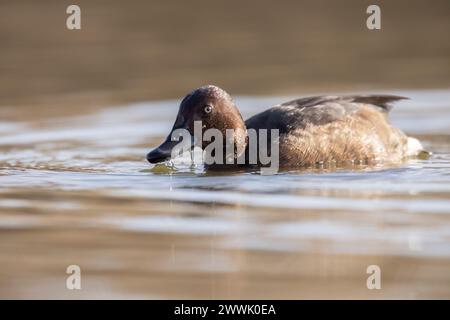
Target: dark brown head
214, 108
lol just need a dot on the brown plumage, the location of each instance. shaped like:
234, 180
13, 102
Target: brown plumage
322, 129
334, 129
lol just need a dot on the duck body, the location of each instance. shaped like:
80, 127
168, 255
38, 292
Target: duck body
313, 130
334, 129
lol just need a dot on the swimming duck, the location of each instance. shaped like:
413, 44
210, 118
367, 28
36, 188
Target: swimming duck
313, 130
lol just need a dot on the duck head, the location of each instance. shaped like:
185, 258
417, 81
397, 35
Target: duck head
215, 108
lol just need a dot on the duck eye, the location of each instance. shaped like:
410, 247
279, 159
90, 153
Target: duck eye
208, 108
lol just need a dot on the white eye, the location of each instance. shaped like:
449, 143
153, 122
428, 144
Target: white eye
208, 109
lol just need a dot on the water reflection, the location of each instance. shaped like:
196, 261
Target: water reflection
77, 190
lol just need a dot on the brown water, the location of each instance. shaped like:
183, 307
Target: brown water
77, 190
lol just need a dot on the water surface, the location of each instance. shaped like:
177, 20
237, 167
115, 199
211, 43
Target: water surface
77, 190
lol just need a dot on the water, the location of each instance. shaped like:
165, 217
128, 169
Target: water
77, 190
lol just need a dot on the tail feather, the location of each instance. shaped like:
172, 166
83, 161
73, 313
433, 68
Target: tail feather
382, 101
414, 147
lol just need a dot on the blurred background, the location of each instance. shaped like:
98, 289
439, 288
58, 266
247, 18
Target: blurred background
146, 50
80, 109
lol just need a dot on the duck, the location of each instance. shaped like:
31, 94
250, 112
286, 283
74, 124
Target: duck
326, 129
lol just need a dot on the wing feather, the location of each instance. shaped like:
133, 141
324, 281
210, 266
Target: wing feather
318, 110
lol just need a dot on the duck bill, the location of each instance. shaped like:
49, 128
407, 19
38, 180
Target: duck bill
179, 140
179, 132
163, 152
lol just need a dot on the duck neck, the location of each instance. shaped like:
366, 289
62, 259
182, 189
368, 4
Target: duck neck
232, 147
